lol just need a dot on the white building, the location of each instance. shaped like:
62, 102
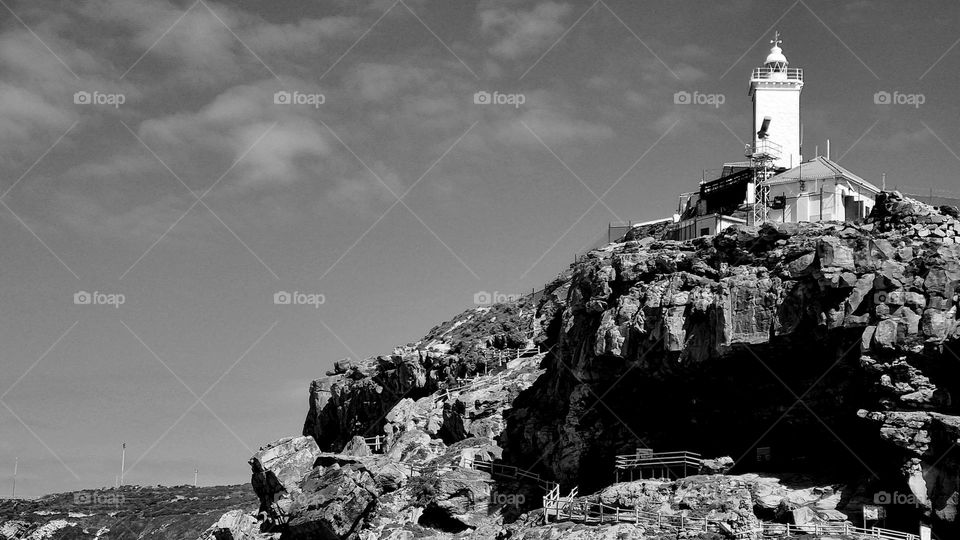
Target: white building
794, 191
820, 190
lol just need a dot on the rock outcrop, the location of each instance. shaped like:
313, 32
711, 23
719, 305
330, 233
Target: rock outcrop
818, 356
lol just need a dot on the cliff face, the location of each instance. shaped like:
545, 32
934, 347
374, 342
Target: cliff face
833, 344
830, 344
357, 397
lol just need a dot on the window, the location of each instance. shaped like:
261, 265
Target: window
705, 231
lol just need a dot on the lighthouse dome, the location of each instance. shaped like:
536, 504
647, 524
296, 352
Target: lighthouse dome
776, 57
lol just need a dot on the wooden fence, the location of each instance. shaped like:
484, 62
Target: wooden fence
786, 530
376, 444
571, 508
501, 356
666, 464
513, 473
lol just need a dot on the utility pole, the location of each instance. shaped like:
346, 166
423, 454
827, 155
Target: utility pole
123, 459
16, 465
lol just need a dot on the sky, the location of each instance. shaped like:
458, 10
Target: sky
168, 167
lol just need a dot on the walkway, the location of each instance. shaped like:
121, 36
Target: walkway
573, 508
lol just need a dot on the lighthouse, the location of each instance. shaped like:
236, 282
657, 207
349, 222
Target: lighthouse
775, 91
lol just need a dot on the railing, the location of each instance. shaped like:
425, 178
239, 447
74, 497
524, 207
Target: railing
595, 512
505, 355
764, 148
475, 383
766, 73
376, 444
668, 462
513, 473
787, 529
502, 356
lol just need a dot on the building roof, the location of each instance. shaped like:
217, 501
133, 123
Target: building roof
821, 168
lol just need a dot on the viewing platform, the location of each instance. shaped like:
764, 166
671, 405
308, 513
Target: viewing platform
658, 465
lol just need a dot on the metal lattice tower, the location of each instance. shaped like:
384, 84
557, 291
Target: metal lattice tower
762, 156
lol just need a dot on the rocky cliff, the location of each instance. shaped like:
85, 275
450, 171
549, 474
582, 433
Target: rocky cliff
831, 344
821, 357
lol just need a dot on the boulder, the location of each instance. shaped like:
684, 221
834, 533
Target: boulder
357, 447
718, 465
290, 459
885, 336
334, 504
833, 252
234, 525
935, 324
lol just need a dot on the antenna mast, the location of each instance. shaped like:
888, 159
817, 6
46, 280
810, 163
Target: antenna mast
123, 459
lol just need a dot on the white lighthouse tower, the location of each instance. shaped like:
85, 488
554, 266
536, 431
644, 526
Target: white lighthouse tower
775, 90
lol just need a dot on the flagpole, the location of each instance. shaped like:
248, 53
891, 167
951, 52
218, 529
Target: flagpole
16, 465
123, 460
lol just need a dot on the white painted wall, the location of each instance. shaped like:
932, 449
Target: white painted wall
780, 100
805, 205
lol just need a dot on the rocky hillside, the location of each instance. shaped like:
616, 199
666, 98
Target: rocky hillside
819, 357
128, 513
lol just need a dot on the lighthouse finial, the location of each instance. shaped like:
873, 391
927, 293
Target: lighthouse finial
776, 39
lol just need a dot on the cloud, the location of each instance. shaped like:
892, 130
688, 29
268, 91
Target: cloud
237, 124
517, 34
202, 45
382, 83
